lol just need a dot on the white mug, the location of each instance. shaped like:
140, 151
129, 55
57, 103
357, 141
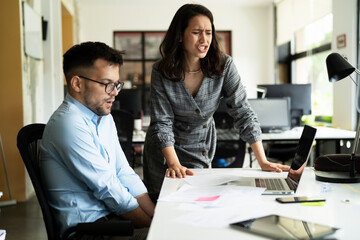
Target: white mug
138, 124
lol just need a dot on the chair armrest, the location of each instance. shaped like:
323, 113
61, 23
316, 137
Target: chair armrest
113, 228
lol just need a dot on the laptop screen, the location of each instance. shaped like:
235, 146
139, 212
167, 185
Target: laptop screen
302, 153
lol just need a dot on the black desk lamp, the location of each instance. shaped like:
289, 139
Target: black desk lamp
338, 68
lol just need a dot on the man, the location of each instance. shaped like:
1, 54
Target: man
83, 167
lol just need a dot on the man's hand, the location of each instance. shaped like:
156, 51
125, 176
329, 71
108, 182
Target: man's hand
177, 170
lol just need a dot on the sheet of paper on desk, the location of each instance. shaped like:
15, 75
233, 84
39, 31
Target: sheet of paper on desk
213, 196
2, 234
222, 217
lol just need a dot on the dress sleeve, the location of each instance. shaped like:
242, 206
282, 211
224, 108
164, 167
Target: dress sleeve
162, 115
237, 104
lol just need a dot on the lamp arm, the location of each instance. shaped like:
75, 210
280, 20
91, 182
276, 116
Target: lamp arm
356, 140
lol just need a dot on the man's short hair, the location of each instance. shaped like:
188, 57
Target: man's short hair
84, 55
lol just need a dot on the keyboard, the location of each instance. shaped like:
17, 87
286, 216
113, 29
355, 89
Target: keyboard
270, 183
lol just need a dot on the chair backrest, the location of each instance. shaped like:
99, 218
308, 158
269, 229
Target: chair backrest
124, 122
234, 151
28, 141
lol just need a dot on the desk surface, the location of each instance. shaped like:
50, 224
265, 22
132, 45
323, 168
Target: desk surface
337, 211
323, 133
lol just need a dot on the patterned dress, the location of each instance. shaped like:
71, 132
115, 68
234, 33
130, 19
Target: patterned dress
178, 119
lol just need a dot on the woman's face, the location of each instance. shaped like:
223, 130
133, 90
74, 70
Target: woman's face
197, 37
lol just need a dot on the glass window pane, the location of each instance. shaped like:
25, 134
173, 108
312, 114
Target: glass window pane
152, 44
131, 74
312, 69
130, 43
315, 34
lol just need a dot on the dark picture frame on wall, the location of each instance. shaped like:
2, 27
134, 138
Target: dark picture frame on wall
142, 51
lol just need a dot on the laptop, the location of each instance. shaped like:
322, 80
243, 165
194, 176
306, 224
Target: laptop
280, 186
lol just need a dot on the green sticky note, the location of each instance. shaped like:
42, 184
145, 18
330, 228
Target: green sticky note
316, 204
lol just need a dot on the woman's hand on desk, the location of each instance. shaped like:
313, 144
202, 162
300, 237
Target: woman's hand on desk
265, 165
175, 168
273, 167
178, 171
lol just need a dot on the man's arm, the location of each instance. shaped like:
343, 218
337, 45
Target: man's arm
146, 204
138, 217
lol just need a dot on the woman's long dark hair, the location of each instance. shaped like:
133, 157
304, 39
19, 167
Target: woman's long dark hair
172, 63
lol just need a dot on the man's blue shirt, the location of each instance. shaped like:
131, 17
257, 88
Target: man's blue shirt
83, 168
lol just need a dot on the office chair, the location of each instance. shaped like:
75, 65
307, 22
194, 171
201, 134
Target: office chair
124, 122
225, 149
281, 151
28, 141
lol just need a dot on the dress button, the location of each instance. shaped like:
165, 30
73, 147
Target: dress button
204, 153
205, 126
197, 111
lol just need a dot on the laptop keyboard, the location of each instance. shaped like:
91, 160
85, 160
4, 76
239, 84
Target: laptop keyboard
270, 183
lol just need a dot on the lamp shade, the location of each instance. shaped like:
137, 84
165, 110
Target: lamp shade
337, 67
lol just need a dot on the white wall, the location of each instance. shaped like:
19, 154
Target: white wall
53, 77
252, 29
344, 22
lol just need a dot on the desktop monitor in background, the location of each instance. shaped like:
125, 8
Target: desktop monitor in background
300, 95
273, 113
130, 100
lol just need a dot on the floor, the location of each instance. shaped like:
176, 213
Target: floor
23, 221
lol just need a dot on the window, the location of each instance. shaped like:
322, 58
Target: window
312, 46
142, 51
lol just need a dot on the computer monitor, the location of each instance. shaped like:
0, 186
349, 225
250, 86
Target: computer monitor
130, 100
300, 95
273, 113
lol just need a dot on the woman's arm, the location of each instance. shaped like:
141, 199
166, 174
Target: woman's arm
265, 165
175, 169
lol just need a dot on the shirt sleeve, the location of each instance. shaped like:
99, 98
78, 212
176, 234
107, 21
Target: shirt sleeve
238, 106
128, 178
85, 157
162, 115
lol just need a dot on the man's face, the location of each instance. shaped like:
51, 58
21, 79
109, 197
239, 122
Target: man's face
93, 94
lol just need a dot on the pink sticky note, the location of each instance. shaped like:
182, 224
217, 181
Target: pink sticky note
207, 199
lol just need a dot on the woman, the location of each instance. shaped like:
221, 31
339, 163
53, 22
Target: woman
186, 87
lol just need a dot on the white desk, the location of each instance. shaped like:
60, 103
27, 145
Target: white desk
323, 133
335, 212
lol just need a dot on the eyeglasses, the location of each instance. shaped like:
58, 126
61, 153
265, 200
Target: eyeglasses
109, 87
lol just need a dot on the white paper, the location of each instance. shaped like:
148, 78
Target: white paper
222, 217
213, 196
2, 234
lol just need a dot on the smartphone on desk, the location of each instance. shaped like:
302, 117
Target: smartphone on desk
299, 199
